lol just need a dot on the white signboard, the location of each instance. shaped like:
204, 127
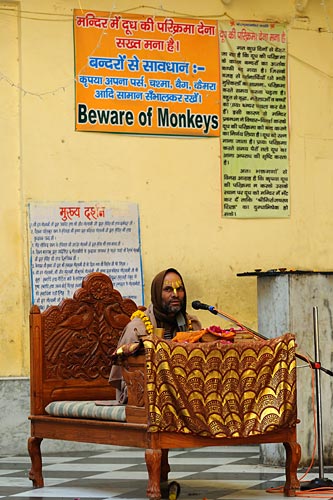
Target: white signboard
70, 240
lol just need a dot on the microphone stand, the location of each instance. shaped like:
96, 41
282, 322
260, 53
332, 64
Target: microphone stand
243, 327
314, 364
320, 482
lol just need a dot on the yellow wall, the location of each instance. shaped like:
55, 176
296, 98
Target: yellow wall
175, 181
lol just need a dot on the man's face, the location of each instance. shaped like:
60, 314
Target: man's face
173, 293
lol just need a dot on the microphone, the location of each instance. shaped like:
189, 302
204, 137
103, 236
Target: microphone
196, 304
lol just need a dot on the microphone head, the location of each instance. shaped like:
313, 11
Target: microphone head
196, 304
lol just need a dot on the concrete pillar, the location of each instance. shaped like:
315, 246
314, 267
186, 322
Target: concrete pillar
285, 304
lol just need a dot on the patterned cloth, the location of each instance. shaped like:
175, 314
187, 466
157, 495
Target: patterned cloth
217, 390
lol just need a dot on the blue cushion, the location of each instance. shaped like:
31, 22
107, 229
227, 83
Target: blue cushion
86, 409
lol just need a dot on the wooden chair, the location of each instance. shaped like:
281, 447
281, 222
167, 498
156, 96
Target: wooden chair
71, 346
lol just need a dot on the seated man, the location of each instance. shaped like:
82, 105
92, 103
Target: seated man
167, 311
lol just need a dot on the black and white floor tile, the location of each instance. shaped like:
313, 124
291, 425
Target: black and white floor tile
231, 473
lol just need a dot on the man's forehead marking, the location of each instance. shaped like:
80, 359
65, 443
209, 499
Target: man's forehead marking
173, 284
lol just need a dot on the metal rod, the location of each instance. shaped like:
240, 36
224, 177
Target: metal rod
318, 393
321, 481
226, 316
259, 335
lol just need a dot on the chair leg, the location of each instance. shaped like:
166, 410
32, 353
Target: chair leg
293, 456
165, 467
35, 473
153, 461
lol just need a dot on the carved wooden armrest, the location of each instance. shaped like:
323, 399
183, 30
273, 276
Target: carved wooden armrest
133, 368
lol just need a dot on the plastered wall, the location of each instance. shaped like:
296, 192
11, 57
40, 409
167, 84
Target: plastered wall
175, 181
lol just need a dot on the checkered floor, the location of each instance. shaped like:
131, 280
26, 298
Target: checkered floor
232, 473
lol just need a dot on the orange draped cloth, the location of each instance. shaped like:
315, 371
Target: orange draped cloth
221, 390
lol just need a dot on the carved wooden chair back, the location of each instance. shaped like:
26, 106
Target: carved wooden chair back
75, 340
